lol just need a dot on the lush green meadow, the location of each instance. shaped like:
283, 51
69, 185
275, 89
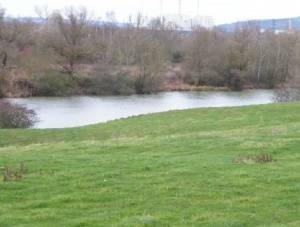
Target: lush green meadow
179, 168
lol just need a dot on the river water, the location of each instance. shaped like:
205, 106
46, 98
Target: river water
61, 112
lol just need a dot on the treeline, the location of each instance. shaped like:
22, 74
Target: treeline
69, 52
246, 57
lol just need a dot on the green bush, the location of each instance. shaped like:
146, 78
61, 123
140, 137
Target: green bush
177, 57
52, 83
147, 84
106, 83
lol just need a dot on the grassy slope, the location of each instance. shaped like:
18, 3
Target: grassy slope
167, 169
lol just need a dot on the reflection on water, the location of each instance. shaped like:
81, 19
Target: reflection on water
83, 110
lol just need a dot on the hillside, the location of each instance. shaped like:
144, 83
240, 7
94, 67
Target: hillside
268, 24
200, 167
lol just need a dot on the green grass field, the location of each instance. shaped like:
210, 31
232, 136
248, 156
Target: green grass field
179, 168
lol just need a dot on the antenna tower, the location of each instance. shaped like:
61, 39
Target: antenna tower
161, 3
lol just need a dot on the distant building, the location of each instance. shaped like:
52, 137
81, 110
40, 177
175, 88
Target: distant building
185, 22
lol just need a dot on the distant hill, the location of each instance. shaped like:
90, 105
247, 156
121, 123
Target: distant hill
40, 20
268, 24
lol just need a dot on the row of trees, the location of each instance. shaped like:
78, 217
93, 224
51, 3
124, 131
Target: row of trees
70, 52
245, 57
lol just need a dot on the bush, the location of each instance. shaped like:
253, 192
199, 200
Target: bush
148, 84
177, 57
51, 83
103, 82
16, 116
119, 84
284, 93
3, 82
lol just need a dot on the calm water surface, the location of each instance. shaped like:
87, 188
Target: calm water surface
83, 110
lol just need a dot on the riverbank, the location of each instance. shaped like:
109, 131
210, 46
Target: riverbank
213, 166
90, 80
166, 88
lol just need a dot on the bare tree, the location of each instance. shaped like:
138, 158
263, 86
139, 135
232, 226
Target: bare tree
238, 58
43, 12
204, 57
150, 56
69, 36
8, 34
143, 49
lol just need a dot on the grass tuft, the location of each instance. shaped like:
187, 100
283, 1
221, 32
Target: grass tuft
13, 175
254, 158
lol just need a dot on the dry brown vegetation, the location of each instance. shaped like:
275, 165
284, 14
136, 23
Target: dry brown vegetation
70, 52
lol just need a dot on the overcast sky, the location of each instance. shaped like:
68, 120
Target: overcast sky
222, 11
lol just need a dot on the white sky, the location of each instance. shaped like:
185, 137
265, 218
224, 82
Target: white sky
222, 11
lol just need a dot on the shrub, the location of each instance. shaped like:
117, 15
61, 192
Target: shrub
3, 82
148, 84
14, 175
177, 57
16, 116
51, 83
103, 82
284, 93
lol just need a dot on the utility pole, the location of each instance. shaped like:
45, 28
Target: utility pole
179, 2
161, 3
